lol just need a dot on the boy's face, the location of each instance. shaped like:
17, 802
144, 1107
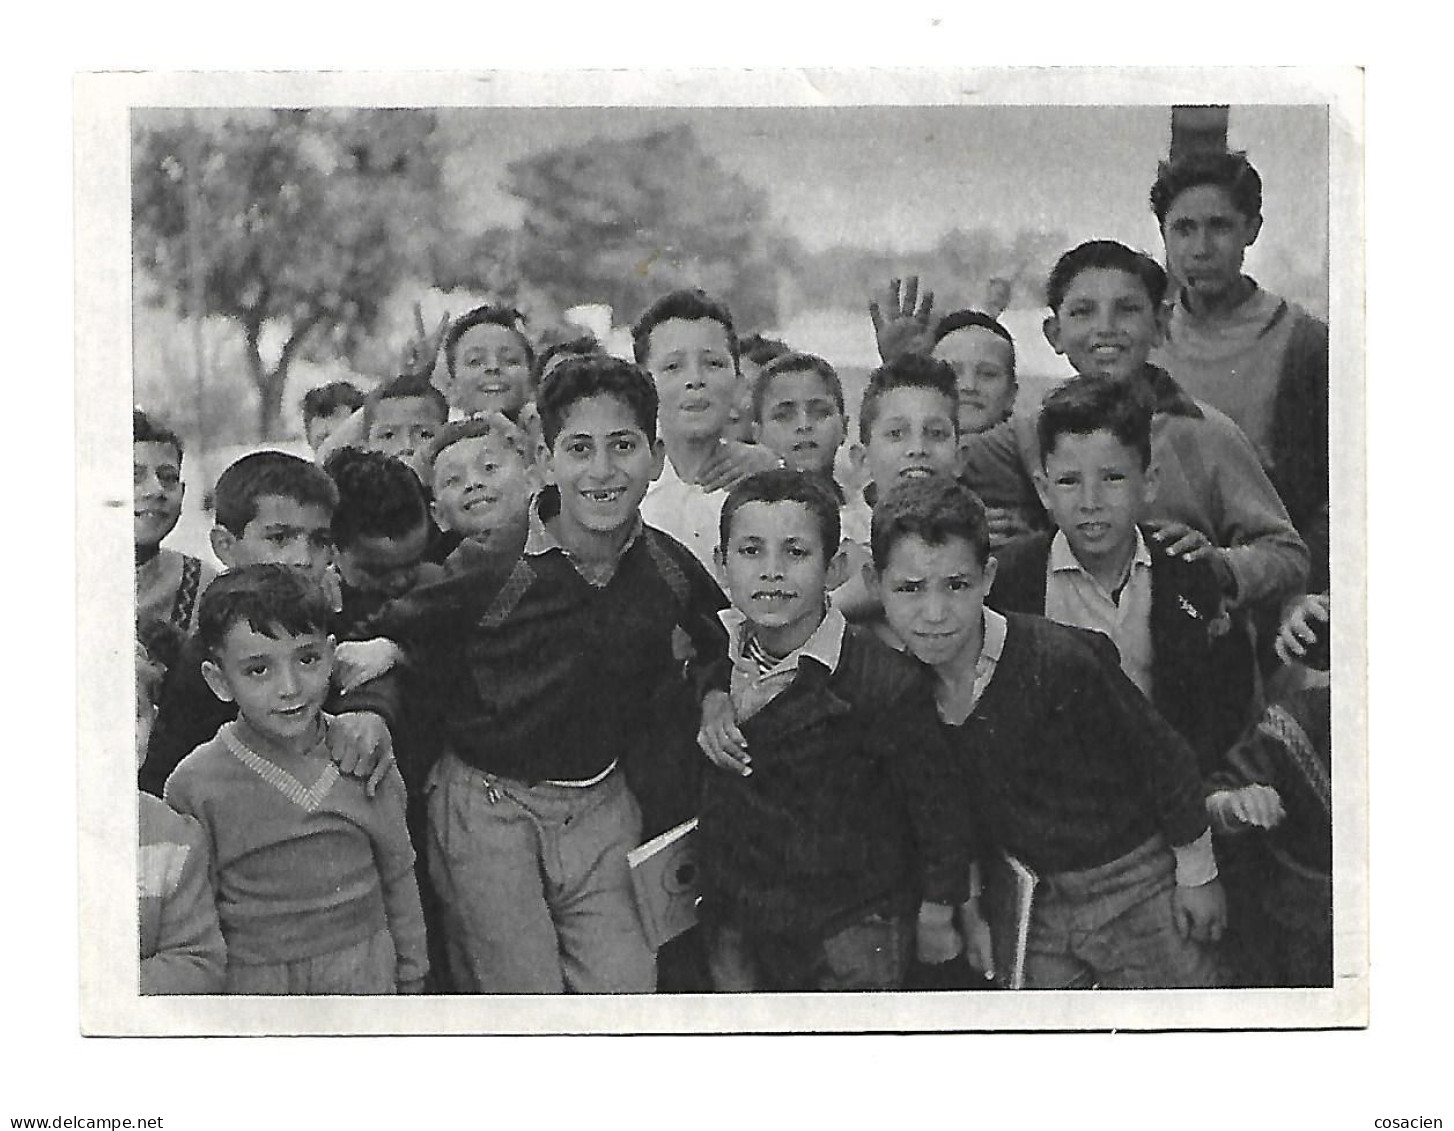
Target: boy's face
1206, 240
1096, 491
913, 436
984, 368
777, 571
933, 596
691, 363
386, 566
156, 477
403, 426
282, 532
319, 428
481, 483
801, 421
279, 683
1105, 325
491, 371
602, 463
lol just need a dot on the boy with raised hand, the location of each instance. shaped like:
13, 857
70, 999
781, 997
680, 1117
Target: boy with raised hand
686, 342
1257, 357
844, 829
546, 668
167, 583
271, 507
1214, 502
1098, 569
1070, 769
314, 875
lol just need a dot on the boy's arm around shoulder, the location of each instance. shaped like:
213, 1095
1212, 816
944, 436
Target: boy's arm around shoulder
191, 957
394, 857
906, 734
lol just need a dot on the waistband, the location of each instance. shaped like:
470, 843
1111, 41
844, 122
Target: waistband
1146, 859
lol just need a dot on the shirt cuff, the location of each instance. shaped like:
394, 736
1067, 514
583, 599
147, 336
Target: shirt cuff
1196, 863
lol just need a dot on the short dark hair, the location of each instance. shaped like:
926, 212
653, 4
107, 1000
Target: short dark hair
1107, 255
971, 319
494, 424
490, 314
145, 430
795, 363
785, 485
759, 350
269, 598
379, 496
908, 371
1229, 171
408, 385
325, 400
689, 306
577, 378
258, 474
586, 345
935, 509
1093, 404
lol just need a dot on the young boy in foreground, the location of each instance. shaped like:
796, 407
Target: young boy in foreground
314, 878
1072, 772
545, 668
1098, 570
845, 820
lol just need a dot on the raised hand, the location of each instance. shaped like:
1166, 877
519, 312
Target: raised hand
907, 328
421, 352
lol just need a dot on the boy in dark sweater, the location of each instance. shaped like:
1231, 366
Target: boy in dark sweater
1072, 771
1102, 570
545, 668
817, 850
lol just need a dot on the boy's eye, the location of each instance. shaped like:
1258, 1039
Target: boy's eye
255, 670
782, 414
426, 433
626, 444
959, 584
938, 433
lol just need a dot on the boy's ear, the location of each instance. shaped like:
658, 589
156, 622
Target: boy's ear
223, 542
217, 681
837, 572
871, 582
1042, 487
434, 513
658, 458
1255, 224
719, 560
756, 431
1051, 329
991, 567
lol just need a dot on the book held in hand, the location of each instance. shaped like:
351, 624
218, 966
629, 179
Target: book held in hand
1009, 899
664, 877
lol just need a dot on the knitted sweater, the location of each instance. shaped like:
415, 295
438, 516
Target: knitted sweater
301, 870
853, 804
1210, 479
1069, 765
182, 951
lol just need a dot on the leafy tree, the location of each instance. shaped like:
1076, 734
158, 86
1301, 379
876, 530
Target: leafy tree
295, 224
622, 222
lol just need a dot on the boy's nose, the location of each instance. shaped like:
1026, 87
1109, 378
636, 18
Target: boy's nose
1090, 496
287, 685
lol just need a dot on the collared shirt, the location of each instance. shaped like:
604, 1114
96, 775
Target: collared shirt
991, 648
752, 688
539, 540
1074, 597
684, 510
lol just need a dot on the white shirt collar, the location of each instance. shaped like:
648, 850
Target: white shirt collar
825, 645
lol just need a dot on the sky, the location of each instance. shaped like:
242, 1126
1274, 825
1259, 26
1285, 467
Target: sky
897, 177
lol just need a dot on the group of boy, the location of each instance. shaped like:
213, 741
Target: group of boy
528, 602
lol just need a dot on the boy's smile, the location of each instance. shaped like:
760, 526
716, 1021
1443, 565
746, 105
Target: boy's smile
156, 491
985, 370
913, 437
279, 683
776, 569
1096, 491
602, 463
491, 371
480, 484
1106, 325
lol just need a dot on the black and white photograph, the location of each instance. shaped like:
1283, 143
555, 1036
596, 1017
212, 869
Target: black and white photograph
737, 552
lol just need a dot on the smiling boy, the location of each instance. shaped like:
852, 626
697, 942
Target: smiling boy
838, 813
544, 668
982, 355
167, 583
483, 479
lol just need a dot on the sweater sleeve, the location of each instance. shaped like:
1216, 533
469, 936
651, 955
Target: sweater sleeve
1117, 718
921, 765
1267, 556
394, 857
1300, 436
191, 957
993, 465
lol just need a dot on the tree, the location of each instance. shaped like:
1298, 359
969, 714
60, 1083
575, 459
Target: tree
296, 224
622, 222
